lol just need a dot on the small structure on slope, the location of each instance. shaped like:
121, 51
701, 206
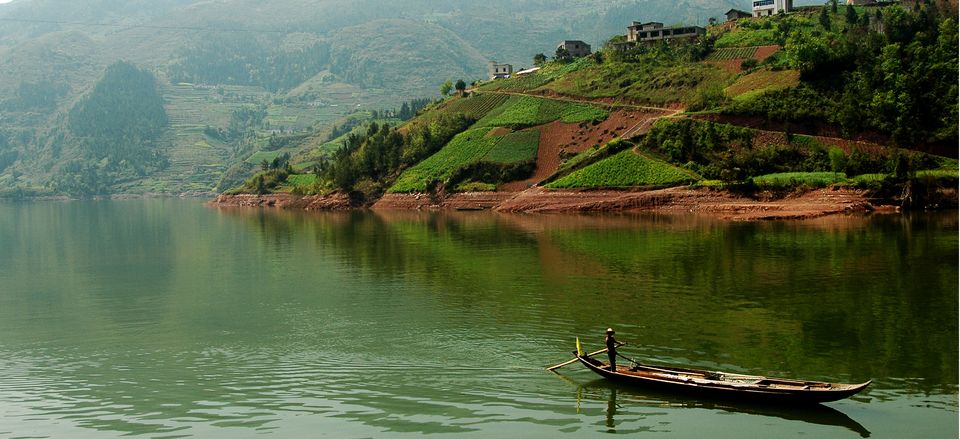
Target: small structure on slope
736, 14
499, 71
575, 48
766, 8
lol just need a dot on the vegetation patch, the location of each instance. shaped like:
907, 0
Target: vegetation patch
545, 75
625, 169
261, 156
476, 106
651, 80
526, 111
474, 186
762, 81
730, 53
517, 147
794, 179
465, 148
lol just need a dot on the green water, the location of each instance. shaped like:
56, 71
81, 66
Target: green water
166, 318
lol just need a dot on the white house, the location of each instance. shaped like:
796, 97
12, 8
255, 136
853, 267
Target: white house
763, 8
499, 71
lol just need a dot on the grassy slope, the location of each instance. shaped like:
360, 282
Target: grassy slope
625, 169
490, 140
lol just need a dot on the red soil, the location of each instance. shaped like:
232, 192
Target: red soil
558, 138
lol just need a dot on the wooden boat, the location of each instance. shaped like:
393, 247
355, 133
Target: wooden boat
724, 385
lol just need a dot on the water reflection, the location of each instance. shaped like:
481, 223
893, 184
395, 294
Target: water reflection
164, 317
617, 396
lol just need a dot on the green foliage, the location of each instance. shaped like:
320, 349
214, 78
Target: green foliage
474, 155
120, 126
39, 95
382, 152
262, 156
249, 59
794, 179
526, 111
655, 77
838, 159
625, 169
446, 87
473, 186
725, 54
539, 59
548, 73
477, 105
901, 83
516, 147
466, 148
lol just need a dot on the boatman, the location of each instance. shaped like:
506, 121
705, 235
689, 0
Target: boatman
612, 345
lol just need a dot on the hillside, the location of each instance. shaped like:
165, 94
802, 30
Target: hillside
768, 117
311, 64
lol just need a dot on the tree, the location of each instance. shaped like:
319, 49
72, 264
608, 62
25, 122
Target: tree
838, 160
824, 18
461, 86
539, 59
446, 87
851, 16
833, 6
562, 55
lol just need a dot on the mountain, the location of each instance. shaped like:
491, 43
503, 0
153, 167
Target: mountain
308, 64
859, 98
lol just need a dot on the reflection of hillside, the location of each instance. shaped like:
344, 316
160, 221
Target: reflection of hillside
803, 298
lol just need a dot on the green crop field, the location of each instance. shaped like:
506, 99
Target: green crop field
301, 180
472, 146
467, 147
526, 111
517, 147
625, 169
259, 156
728, 53
476, 106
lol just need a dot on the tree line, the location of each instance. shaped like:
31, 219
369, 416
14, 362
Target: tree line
377, 156
891, 70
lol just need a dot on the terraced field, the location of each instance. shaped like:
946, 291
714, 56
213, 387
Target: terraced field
517, 147
729, 53
624, 169
475, 145
527, 111
476, 106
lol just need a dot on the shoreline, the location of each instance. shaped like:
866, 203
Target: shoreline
724, 205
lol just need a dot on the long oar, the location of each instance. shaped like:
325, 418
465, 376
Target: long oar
575, 359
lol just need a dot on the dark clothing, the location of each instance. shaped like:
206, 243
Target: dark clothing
612, 344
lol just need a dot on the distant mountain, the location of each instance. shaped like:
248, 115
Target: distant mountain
306, 63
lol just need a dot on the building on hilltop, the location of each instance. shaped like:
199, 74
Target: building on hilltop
499, 71
736, 14
654, 31
766, 8
575, 48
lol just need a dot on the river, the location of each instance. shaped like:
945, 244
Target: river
167, 318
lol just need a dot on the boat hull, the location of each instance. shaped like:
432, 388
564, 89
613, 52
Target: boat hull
720, 385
